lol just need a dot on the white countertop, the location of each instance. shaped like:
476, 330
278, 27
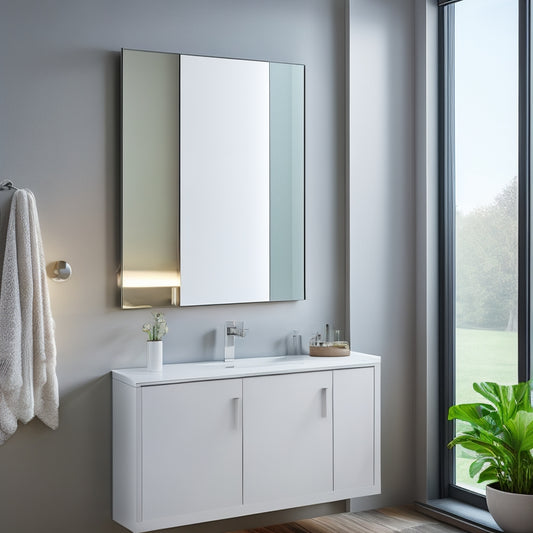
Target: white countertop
243, 367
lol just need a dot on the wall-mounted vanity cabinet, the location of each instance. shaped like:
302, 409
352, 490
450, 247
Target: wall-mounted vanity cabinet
212, 180
201, 442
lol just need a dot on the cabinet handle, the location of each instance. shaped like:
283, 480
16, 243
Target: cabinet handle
324, 402
236, 412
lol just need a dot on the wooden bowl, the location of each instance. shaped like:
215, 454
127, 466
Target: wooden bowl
329, 351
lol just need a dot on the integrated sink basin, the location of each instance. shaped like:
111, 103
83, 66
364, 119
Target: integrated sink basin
251, 362
240, 367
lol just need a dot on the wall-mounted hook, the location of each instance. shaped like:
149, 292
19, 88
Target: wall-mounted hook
7, 185
61, 271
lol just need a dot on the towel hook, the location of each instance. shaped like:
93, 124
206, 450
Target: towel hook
61, 271
7, 185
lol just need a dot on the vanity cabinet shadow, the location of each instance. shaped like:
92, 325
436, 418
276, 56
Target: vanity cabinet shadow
212, 180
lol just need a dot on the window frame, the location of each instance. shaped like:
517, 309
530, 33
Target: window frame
446, 72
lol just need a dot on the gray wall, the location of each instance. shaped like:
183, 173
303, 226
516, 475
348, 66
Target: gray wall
59, 136
382, 223
426, 157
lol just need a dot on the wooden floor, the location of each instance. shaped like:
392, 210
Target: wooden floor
388, 520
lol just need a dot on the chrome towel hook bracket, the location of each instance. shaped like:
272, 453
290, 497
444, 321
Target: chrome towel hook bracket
7, 185
59, 271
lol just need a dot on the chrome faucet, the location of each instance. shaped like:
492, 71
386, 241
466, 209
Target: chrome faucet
232, 329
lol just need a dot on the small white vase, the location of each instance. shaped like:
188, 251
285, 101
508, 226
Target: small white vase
154, 356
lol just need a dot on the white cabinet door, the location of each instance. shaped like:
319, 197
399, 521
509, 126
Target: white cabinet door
191, 447
355, 434
287, 425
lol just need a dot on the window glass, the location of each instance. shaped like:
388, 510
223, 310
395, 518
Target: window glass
486, 189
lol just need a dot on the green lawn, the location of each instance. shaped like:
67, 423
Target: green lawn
481, 355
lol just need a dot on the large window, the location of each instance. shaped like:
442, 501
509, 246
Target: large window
485, 153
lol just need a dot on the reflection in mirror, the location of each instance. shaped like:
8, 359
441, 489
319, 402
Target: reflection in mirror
213, 180
150, 133
286, 182
224, 181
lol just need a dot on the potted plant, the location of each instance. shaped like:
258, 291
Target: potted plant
154, 347
500, 433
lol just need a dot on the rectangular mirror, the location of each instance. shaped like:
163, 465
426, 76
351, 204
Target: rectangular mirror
212, 180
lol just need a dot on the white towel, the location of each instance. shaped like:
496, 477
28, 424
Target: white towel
28, 381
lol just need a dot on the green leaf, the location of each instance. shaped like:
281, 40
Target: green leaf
475, 444
501, 396
507, 399
477, 466
522, 395
490, 391
473, 413
520, 431
489, 474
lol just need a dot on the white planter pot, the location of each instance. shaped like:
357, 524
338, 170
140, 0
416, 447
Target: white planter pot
512, 512
154, 356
